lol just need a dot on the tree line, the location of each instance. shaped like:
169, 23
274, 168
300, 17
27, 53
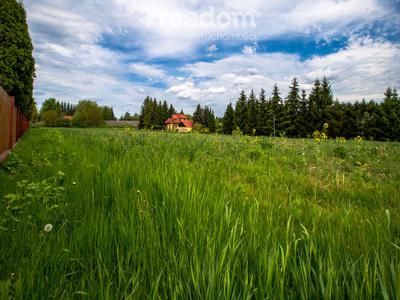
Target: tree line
154, 113
299, 114
204, 118
85, 114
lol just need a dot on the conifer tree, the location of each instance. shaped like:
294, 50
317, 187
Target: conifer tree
315, 103
209, 119
240, 110
228, 123
277, 111
250, 115
198, 115
264, 119
304, 119
388, 95
291, 119
165, 111
171, 110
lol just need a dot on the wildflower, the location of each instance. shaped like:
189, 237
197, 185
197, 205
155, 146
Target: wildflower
73, 182
359, 139
48, 227
138, 191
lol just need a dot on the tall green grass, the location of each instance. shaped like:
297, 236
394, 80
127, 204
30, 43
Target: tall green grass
165, 216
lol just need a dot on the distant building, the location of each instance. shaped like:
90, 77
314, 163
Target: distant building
179, 123
123, 123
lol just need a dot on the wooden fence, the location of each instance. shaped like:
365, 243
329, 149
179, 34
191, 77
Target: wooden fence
13, 123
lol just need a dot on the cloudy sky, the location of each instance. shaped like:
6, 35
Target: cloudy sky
197, 51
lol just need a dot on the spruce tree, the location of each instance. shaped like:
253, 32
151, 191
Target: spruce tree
327, 95
395, 96
250, 115
228, 122
303, 120
388, 95
277, 111
146, 114
315, 103
291, 118
165, 111
171, 110
264, 119
209, 119
240, 110
198, 115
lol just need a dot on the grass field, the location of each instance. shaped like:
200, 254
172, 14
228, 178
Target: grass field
139, 215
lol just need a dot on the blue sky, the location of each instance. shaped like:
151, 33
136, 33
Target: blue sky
188, 52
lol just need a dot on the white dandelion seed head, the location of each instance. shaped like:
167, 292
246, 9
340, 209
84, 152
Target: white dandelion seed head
48, 227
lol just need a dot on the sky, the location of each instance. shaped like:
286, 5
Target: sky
190, 52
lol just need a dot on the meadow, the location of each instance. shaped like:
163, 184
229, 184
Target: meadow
155, 215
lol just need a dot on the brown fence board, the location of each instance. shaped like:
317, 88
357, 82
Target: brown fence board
13, 123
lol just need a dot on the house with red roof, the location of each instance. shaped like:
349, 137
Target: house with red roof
179, 123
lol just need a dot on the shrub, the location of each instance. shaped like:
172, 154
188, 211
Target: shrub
88, 114
50, 118
63, 122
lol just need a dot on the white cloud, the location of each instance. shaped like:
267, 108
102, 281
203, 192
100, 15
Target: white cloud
176, 27
75, 59
152, 72
186, 90
362, 70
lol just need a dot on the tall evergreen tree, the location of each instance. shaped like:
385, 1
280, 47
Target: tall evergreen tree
209, 119
171, 110
291, 119
198, 115
327, 95
315, 104
17, 66
304, 119
388, 95
250, 115
228, 123
276, 106
240, 110
264, 119
165, 111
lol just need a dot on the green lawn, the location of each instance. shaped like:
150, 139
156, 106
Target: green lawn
140, 215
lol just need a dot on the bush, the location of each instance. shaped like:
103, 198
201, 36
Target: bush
63, 122
199, 128
88, 114
50, 118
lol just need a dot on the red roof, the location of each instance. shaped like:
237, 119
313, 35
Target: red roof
179, 118
187, 123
